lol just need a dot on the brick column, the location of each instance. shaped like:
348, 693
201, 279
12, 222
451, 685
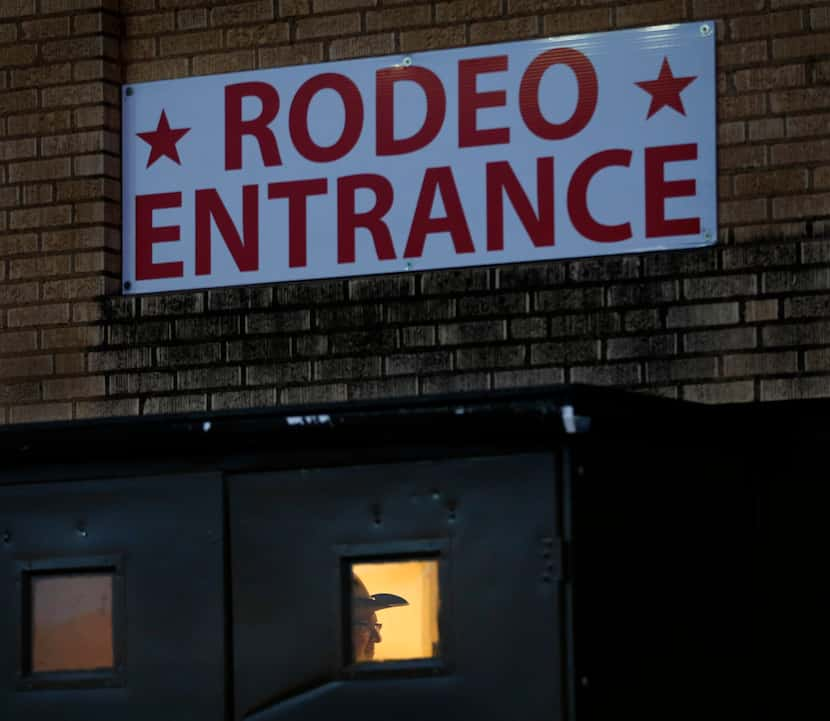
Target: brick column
59, 200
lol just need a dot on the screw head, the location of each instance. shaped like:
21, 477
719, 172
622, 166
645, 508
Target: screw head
705, 30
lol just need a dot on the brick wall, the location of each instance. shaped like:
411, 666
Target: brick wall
746, 320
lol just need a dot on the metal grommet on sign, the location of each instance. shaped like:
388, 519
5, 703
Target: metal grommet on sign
407, 61
127, 285
130, 91
708, 235
705, 30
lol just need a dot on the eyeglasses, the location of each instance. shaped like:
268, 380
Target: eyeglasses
368, 625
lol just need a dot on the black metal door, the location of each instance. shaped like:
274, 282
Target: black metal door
493, 525
149, 553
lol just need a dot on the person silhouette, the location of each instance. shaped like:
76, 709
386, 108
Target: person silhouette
365, 626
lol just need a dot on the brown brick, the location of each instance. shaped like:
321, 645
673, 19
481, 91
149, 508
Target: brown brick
801, 279
77, 48
743, 211
758, 364
25, 366
760, 310
278, 322
97, 22
255, 35
166, 405
18, 341
770, 78
190, 43
528, 377
107, 409
294, 54
735, 55
189, 355
152, 24
17, 294
455, 383
328, 26
144, 333
722, 286
198, 378
20, 101
820, 18
8, 33
191, 19
346, 368
224, 62
17, 8
817, 360
41, 412
685, 316
742, 156
135, 383
766, 25
731, 133
324, 393
800, 100
172, 304
708, 341
706, 9
472, 332
40, 217
604, 269
771, 183
566, 22
82, 94
397, 18
801, 46
787, 389
821, 178
333, 6
641, 346
240, 13
25, 392
742, 106
19, 55
16, 149
797, 334
123, 359
377, 287
72, 388
432, 38
799, 206
681, 369
565, 352
290, 8
492, 31
34, 170
41, 75
619, 374
19, 244
362, 46
766, 129
808, 306
277, 374
157, 70
650, 13
646, 293
138, 48
733, 392
806, 125
466, 10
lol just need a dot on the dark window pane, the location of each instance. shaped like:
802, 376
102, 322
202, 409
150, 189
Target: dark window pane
71, 619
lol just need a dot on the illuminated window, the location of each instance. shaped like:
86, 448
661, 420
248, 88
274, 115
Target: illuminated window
394, 610
71, 626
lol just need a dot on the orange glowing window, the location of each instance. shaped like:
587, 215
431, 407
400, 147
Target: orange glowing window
71, 622
394, 609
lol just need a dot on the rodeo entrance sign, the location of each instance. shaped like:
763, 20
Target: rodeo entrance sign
554, 148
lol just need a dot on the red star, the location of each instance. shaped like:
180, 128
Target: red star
162, 140
666, 90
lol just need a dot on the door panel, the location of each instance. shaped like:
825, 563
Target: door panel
493, 524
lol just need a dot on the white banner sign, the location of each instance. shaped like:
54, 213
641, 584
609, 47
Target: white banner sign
537, 150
